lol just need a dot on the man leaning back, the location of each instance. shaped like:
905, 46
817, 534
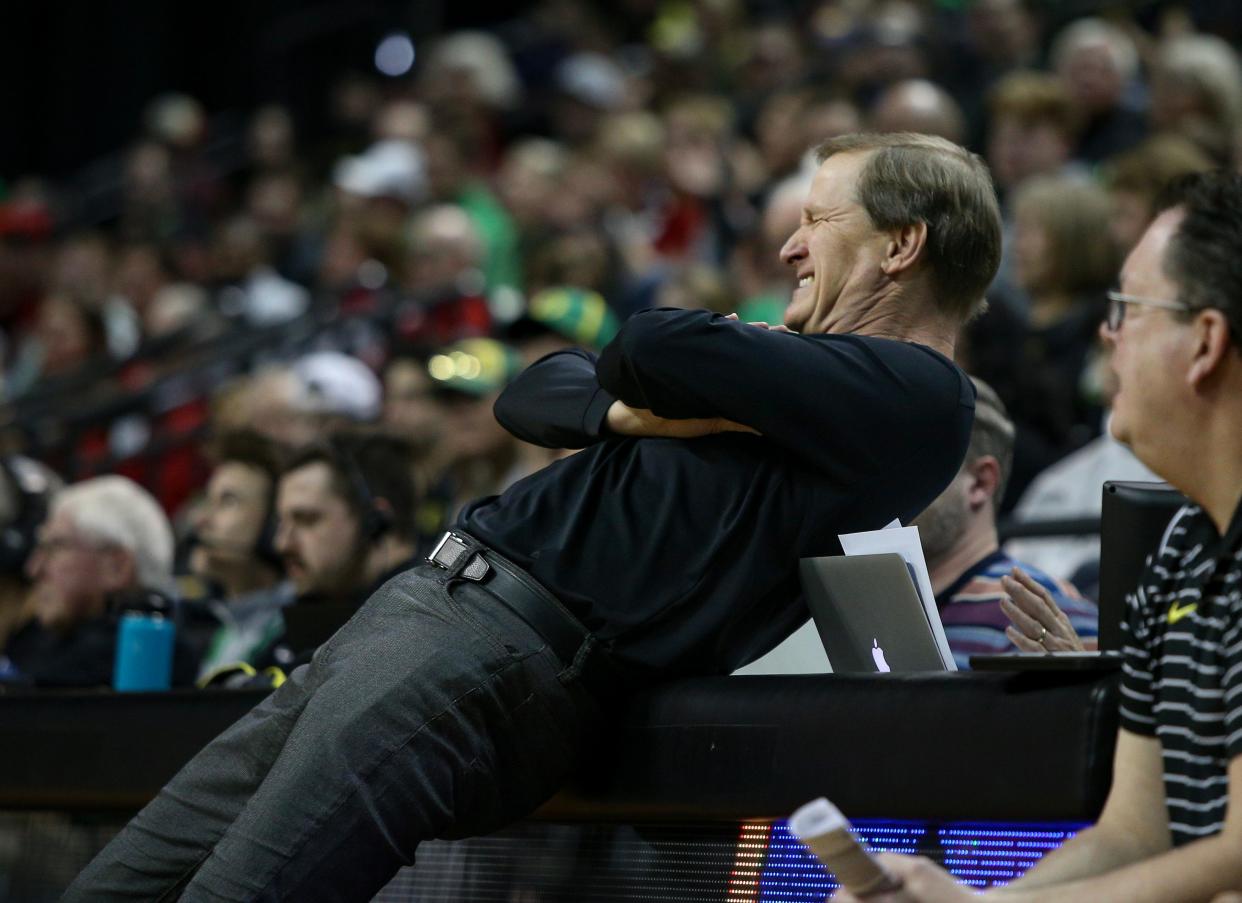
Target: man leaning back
715, 454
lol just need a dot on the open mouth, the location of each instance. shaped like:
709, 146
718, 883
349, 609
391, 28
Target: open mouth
804, 281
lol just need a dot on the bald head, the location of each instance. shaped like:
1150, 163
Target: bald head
918, 105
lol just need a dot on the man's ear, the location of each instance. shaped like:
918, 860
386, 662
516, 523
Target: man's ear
984, 481
905, 248
1212, 342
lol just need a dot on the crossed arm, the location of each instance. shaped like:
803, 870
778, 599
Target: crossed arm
1125, 858
562, 402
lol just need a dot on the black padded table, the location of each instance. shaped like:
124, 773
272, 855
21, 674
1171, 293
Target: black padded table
944, 746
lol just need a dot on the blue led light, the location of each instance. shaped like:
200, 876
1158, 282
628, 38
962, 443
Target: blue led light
980, 855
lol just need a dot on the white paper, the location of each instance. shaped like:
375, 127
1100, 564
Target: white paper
802, 652
904, 541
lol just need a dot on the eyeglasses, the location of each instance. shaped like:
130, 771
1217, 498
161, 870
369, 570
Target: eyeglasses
1117, 307
51, 545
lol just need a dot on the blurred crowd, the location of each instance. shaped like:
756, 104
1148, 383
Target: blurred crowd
286, 361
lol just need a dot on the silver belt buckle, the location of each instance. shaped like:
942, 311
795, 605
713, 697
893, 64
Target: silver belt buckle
434, 557
475, 567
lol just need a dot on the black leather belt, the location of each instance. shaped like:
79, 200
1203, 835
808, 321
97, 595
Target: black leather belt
469, 559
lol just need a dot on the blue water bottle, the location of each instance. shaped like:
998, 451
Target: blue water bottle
144, 652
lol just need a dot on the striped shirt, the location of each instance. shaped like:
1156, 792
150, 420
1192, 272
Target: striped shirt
1182, 675
973, 621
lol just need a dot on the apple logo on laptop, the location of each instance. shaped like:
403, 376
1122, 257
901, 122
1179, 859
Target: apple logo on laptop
878, 654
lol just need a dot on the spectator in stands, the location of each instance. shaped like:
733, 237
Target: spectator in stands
105, 545
1097, 62
1073, 487
483, 457
629, 149
529, 180
68, 336
1136, 178
232, 549
26, 488
470, 79
411, 410
1196, 91
453, 173
249, 287
1064, 263
710, 172
296, 404
1170, 829
1000, 36
274, 202
1032, 128
589, 86
345, 508
376, 191
141, 271
1031, 133
271, 140
443, 275
414, 413
918, 105
964, 559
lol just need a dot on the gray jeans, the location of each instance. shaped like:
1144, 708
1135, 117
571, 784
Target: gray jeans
430, 714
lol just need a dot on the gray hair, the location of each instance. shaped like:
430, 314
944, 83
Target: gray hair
992, 434
116, 511
486, 61
1091, 31
1211, 66
911, 178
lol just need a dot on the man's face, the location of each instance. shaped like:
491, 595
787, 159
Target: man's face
1092, 77
1018, 150
836, 252
318, 537
231, 518
72, 574
1149, 341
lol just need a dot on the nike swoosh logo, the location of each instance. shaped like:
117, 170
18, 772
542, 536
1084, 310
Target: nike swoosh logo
1176, 614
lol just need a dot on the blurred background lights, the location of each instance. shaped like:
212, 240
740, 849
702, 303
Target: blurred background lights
441, 367
395, 54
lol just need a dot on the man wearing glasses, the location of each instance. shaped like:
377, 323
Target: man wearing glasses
1167, 831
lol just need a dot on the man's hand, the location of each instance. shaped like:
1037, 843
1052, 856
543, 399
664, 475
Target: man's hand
624, 420
779, 327
1039, 624
922, 882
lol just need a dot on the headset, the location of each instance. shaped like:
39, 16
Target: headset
376, 520
264, 545
32, 494
265, 542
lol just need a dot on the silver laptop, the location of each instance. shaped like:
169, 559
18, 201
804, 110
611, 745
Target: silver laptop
869, 614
